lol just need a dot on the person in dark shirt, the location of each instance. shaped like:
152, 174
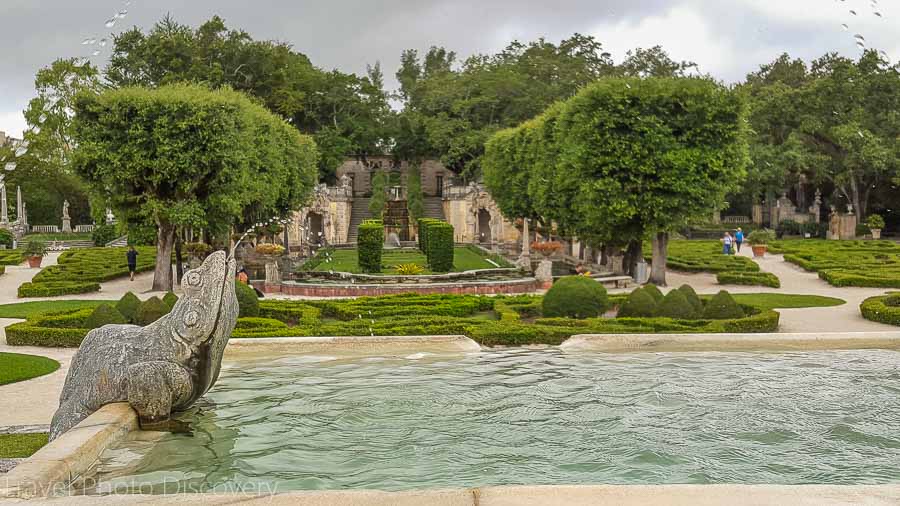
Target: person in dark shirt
132, 261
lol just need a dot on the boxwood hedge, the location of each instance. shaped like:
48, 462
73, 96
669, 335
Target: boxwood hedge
878, 309
82, 271
845, 263
370, 243
439, 246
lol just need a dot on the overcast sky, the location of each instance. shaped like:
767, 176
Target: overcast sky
727, 38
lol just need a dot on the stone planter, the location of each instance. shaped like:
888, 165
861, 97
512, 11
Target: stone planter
759, 250
35, 262
876, 233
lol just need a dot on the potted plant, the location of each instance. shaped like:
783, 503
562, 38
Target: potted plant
759, 242
547, 249
876, 224
35, 251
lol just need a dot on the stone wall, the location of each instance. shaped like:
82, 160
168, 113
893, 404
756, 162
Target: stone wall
477, 219
433, 172
328, 213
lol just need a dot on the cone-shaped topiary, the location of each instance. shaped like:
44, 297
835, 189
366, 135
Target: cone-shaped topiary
691, 296
170, 299
104, 315
722, 307
575, 297
639, 304
151, 310
654, 292
128, 306
676, 305
248, 302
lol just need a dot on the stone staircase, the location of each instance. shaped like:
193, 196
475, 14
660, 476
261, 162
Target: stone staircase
359, 212
118, 243
434, 207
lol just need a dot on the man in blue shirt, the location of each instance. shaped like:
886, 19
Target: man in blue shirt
739, 239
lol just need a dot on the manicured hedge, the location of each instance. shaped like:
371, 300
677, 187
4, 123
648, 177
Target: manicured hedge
82, 271
845, 263
248, 301
500, 320
370, 243
439, 246
748, 278
877, 309
56, 288
423, 233
576, 297
11, 257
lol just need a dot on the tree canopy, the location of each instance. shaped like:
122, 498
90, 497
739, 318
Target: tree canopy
625, 158
183, 155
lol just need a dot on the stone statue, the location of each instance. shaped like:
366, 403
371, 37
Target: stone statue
163, 367
66, 221
65, 209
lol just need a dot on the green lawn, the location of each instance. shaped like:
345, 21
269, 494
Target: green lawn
20, 446
25, 310
345, 260
785, 301
56, 237
15, 367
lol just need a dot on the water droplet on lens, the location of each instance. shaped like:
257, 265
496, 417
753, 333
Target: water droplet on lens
111, 22
88, 42
859, 37
860, 45
861, 136
845, 26
10, 166
122, 13
103, 42
877, 14
96, 53
21, 151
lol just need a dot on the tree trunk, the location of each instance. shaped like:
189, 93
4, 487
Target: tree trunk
633, 255
604, 255
660, 255
179, 263
165, 240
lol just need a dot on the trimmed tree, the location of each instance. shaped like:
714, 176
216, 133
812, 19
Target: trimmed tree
439, 249
370, 242
182, 155
575, 297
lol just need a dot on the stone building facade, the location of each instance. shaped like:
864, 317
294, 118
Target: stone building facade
435, 177
477, 219
326, 220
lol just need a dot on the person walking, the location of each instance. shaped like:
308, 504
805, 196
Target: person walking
131, 255
243, 277
739, 239
726, 244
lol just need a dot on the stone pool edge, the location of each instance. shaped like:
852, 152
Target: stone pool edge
732, 342
351, 344
527, 495
52, 468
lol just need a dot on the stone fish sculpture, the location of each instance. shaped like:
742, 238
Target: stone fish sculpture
163, 367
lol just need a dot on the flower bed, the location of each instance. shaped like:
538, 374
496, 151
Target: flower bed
845, 263
82, 271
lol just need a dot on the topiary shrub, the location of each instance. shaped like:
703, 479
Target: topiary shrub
104, 315
722, 307
574, 297
639, 304
6, 238
248, 301
151, 310
439, 248
369, 243
691, 296
675, 305
103, 235
170, 299
654, 292
892, 300
128, 306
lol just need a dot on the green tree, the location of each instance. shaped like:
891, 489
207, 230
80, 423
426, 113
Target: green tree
379, 194
182, 155
654, 62
346, 113
43, 169
415, 203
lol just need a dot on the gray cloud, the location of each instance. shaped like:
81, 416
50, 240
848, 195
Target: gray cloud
727, 38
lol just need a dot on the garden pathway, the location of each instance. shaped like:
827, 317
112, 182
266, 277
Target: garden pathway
845, 318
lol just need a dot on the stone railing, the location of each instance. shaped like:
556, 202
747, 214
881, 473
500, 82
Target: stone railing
45, 229
740, 220
84, 229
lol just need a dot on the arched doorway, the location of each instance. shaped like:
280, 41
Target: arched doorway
484, 226
316, 229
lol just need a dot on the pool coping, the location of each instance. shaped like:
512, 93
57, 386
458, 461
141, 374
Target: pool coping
351, 345
762, 342
52, 468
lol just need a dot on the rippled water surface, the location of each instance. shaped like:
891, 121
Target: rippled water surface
529, 417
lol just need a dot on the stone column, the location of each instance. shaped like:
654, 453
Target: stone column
4, 212
524, 261
20, 208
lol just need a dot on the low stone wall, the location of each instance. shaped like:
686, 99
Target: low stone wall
348, 346
617, 343
389, 279
524, 285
